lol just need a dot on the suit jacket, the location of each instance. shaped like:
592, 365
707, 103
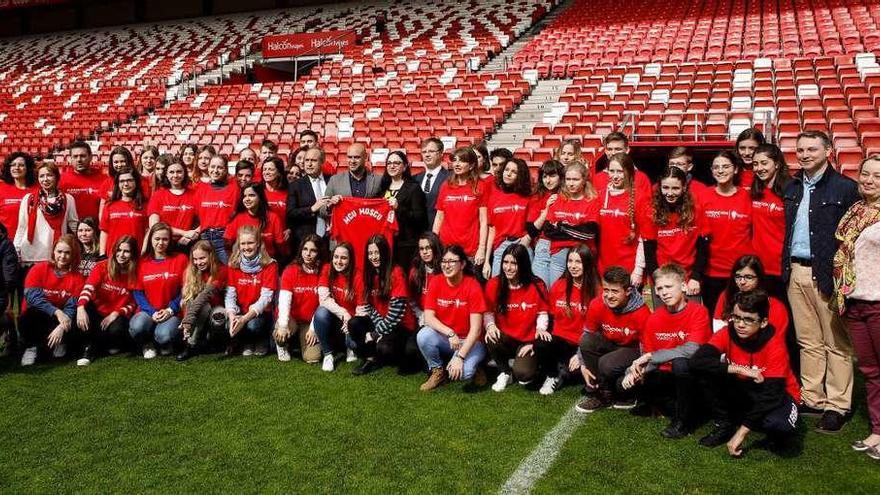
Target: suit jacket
412, 215
431, 197
300, 217
339, 184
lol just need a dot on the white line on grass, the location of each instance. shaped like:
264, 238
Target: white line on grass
533, 467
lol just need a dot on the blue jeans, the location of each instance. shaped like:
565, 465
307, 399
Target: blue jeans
328, 328
498, 254
558, 264
215, 237
541, 264
437, 351
144, 330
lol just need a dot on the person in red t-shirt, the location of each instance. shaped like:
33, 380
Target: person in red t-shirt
298, 301
275, 180
157, 293
746, 144
616, 143
253, 280
619, 218
461, 207
48, 309
454, 306
216, 204
425, 267
675, 230
672, 334
82, 182
105, 303
768, 214
748, 275
611, 341
746, 378
339, 289
121, 161
516, 318
18, 178
204, 287
253, 210
387, 329
125, 214
569, 299
174, 202
510, 208
728, 210
682, 158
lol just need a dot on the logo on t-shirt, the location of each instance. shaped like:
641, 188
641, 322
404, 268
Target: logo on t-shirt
447, 303
125, 214
215, 204
113, 288
668, 336
159, 276
507, 208
617, 330
245, 281
612, 212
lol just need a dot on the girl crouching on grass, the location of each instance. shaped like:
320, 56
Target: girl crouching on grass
204, 318
253, 280
298, 302
338, 292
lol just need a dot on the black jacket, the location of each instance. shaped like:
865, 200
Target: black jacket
833, 195
431, 197
412, 214
8, 267
300, 217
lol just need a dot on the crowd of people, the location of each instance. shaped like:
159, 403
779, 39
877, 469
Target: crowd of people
760, 285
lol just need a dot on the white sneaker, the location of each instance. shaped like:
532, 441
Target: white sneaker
59, 351
549, 386
504, 379
83, 362
29, 357
283, 353
350, 356
261, 348
149, 352
328, 364
248, 350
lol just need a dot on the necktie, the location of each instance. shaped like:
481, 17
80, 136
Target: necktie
321, 225
428, 183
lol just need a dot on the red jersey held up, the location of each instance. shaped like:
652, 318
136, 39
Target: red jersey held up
523, 306
729, 222
249, 285
566, 326
355, 220
454, 304
621, 328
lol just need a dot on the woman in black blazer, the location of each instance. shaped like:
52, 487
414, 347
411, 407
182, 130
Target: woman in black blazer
408, 201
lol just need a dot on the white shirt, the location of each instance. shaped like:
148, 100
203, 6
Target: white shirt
433, 173
41, 248
318, 187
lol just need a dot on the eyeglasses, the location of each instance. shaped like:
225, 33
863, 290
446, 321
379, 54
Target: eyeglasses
747, 278
450, 262
394, 162
747, 320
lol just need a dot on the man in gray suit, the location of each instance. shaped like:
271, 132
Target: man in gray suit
357, 182
434, 175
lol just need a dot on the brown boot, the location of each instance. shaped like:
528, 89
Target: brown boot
435, 379
480, 379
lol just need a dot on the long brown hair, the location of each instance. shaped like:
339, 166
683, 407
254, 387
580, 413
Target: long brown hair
469, 156
589, 280
347, 274
685, 206
115, 270
629, 184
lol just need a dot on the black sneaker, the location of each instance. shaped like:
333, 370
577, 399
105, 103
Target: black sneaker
187, 353
831, 422
368, 366
720, 434
592, 403
805, 410
675, 430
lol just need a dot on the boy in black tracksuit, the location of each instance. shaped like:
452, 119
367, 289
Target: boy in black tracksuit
745, 373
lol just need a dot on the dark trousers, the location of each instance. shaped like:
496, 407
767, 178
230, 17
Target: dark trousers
863, 320
328, 327
210, 328
112, 337
35, 327
777, 288
524, 369
398, 347
728, 402
606, 360
553, 357
711, 289
673, 392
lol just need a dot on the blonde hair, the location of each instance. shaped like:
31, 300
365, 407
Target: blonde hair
235, 259
581, 168
193, 283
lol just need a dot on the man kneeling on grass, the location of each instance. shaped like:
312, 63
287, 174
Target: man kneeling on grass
610, 342
746, 376
673, 333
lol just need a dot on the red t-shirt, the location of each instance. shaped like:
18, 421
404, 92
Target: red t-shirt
398, 289
453, 305
746, 177
303, 287
86, 190
248, 285
347, 298
107, 188
569, 328
615, 226
215, 206
674, 244
523, 306
120, 218
277, 202
620, 328
461, 215
273, 235
572, 212
643, 183
698, 190
508, 213
177, 210
10, 204
56, 289
665, 330
729, 222
161, 280
768, 231
355, 220
778, 314
106, 294
772, 359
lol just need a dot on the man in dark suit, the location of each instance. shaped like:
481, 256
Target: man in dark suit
356, 182
433, 176
306, 198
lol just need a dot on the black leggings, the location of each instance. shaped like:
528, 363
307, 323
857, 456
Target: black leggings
400, 346
672, 392
524, 368
554, 356
113, 337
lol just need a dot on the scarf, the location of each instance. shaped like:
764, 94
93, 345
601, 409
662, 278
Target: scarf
54, 210
859, 217
251, 266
